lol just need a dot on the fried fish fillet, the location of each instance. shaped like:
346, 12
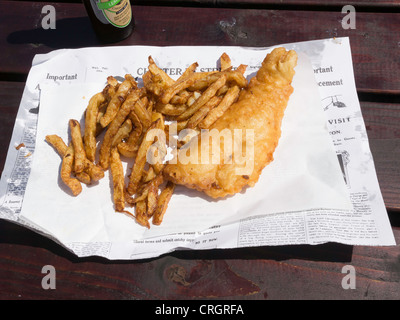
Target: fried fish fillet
245, 137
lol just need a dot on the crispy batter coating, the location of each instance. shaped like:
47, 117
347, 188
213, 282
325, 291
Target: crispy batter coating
259, 110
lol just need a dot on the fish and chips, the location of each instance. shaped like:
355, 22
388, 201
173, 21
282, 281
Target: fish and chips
138, 125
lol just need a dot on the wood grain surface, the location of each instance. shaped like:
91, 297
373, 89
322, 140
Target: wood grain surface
282, 272
375, 49
375, 5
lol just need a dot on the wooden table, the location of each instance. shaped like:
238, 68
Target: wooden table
283, 272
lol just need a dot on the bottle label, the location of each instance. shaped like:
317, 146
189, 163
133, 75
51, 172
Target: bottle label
116, 12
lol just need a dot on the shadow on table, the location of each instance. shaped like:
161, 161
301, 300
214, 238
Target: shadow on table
69, 33
332, 252
12, 233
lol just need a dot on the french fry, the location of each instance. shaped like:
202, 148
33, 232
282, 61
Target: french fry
150, 105
186, 137
83, 177
181, 97
234, 77
162, 203
224, 89
108, 92
66, 171
148, 192
141, 112
130, 147
142, 196
204, 82
58, 144
95, 173
154, 86
112, 81
176, 87
242, 68
225, 62
122, 133
135, 121
189, 70
156, 153
139, 124
141, 213
105, 148
140, 161
207, 95
77, 142
158, 149
147, 78
150, 175
202, 112
192, 99
154, 83
118, 178
155, 70
100, 113
153, 194
170, 109
155, 116
143, 189
89, 136
117, 100
180, 125
218, 111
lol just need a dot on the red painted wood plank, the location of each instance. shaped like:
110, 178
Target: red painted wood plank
382, 119
288, 272
374, 44
362, 5
373, 4
386, 154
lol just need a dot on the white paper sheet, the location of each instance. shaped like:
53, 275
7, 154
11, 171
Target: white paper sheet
301, 189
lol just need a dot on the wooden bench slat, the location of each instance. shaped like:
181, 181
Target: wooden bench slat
359, 5
280, 272
374, 42
375, 4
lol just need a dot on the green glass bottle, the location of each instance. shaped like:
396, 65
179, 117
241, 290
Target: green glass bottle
112, 20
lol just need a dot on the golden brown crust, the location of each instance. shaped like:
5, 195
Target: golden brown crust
260, 108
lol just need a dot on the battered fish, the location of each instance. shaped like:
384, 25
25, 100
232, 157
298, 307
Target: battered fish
232, 153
